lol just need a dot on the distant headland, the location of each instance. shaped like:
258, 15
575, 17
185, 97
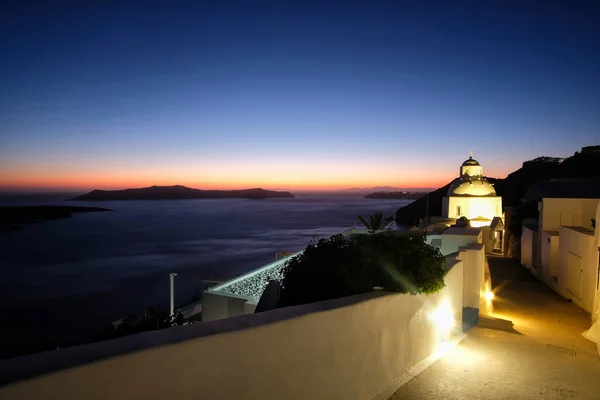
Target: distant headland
178, 192
396, 195
14, 217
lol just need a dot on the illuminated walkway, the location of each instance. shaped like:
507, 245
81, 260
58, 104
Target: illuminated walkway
543, 356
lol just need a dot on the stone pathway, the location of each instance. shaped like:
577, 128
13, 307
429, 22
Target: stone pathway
531, 348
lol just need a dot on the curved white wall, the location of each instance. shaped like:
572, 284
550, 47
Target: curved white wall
350, 348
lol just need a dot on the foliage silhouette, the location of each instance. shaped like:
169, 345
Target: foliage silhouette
378, 222
339, 266
154, 318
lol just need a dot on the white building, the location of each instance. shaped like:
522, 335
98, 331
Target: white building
471, 197
529, 240
562, 250
454, 238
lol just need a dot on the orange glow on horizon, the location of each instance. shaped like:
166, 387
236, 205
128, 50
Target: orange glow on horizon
125, 182
283, 177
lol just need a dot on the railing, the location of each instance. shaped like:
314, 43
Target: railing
253, 283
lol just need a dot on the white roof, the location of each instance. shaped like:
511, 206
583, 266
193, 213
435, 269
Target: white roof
462, 231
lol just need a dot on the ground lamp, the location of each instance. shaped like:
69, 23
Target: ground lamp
443, 319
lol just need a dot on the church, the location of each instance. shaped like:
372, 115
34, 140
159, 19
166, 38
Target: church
471, 202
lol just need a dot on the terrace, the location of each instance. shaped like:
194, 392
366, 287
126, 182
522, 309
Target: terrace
357, 347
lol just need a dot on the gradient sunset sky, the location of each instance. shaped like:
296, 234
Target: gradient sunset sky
291, 95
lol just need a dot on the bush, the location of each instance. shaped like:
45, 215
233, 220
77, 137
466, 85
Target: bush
338, 267
154, 318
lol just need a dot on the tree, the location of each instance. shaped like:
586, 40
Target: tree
377, 222
339, 266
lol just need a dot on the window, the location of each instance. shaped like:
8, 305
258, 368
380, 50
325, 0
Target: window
458, 211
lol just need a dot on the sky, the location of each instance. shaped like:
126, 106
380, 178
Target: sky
285, 95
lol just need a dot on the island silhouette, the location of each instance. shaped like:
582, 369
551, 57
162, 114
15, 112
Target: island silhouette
178, 192
396, 195
15, 217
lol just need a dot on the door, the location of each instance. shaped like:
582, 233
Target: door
566, 219
498, 241
574, 274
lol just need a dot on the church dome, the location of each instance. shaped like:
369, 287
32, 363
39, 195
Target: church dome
470, 161
471, 169
471, 181
471, 187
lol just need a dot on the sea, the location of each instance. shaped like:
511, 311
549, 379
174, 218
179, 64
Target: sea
64, 281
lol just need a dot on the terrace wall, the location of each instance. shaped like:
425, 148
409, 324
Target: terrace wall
355, 347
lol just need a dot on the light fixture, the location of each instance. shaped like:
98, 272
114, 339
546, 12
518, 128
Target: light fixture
489, 296
443, 319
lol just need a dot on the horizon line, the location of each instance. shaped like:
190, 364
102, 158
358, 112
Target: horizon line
58, 190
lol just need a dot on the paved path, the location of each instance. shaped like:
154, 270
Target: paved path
541, 356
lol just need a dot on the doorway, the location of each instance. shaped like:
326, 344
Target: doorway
498, 236
574, 274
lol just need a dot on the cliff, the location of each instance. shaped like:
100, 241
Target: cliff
178, 193
410, 214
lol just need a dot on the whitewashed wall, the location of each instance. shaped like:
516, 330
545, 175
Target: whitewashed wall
217, 305
527, 248
473, 207
452, 242
549, 265
596, 309
351, 348
578, 252
474, 263
597, 233
567, 212
486, 306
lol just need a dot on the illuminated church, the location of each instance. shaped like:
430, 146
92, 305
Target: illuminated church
472, 204
472, 196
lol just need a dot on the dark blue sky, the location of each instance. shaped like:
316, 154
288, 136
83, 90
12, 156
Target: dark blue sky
278, 94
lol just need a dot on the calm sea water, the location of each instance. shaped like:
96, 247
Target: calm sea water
64, 281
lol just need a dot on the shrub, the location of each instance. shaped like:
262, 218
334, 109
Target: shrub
154, 318
338, 267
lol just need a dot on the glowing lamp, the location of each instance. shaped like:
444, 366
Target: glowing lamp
489, 296
443, 319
